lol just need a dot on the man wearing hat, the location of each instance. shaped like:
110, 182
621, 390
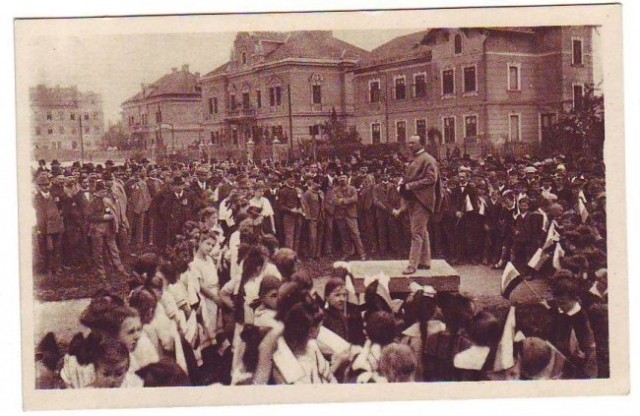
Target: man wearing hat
289, 206
139, 202
383, 193
346, 217
177, 208
421, 189
312, 202
103, 229
49, 227
199, 188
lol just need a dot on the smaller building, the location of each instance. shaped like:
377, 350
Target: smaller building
65, 118
165, 115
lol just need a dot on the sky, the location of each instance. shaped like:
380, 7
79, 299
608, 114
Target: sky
115, 65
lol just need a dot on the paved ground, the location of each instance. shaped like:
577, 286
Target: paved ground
478, 282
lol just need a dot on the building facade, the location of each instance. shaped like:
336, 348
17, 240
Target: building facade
65, 118
469, 88
278, 86
165, 115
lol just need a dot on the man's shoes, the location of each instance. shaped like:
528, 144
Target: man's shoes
363, 257
423, 267
409, 270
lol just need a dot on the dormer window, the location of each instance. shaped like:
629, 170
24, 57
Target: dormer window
457, 45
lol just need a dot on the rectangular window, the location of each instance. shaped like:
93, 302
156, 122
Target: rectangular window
470, 126
244, 58
401, 92
86, 130
272, 96
578, 96
547, 120
420, 82
375, 133
246, 100
314, 130
258, 99
577, 51
449, 129
514, 127
421, 128
470, 79
278, 95
49, 116
72, 116
234, 136
158, 116
317, 94
232, 101
86, 116
374, 91
215, 105
448, 83
514, 78
401, 131
37, 131
213, 138
210, 105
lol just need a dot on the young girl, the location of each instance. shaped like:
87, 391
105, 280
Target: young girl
108, 318
111, 363
265, 313
301, 325
204, 269
342, 317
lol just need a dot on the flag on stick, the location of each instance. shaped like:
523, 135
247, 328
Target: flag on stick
511, 278
558, 253
538, 259
504, 352
584, 214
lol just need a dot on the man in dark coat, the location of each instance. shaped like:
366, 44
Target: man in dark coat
422, 191
177, 208
49, 227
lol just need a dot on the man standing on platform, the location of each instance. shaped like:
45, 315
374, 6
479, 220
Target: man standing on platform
421, 190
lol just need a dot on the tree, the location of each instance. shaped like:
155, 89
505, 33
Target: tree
579, 133
337, 130
116, 136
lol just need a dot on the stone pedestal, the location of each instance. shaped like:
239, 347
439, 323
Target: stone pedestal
280, 151
441, 276
251, 147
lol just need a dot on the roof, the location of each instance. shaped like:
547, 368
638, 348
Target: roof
219, 70
59, 96
177, 82
315, 44
396, 48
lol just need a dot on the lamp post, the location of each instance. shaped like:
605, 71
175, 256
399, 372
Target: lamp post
173, 138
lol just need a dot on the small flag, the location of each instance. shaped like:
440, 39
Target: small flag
504, 353
352, 296
584, 214
510, 279
331, 343
558, 253
553, 236
383, 287
538, 259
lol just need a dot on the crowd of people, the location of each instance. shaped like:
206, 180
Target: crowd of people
211, 252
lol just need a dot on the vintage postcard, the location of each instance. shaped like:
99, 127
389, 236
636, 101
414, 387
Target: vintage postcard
322, 207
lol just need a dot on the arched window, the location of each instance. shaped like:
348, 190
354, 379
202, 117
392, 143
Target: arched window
457, 44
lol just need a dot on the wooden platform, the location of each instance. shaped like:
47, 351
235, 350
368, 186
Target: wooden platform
441, 276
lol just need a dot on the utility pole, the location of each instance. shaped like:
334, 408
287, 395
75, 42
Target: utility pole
290, 117
81, 139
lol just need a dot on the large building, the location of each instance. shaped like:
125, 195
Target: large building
165, 114
65, 118
472, 87
278, 86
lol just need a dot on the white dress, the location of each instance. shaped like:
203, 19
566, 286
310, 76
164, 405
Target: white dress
207, 274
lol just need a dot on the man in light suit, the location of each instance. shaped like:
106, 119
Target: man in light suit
421, 191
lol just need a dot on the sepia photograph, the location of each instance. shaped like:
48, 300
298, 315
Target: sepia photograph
396, 205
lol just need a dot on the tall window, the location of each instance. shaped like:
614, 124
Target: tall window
401, 131
86, 116
421, 128
513, 80
401, 92
374, 91
420, 81
72, 116
49, 131
234, 136
514, 127
457, 48
375, 133
210, 105
159, 116
258, 99
272, 96
470, 79
449, 129
317, 94
244, 58
232, 100
470, 126
578, 96
547, 120
246, 100
448, 84
278, 95
49, 116
215, 104
577, 51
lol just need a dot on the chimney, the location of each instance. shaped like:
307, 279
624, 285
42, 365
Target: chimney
185, 68
143, 87
174, 69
